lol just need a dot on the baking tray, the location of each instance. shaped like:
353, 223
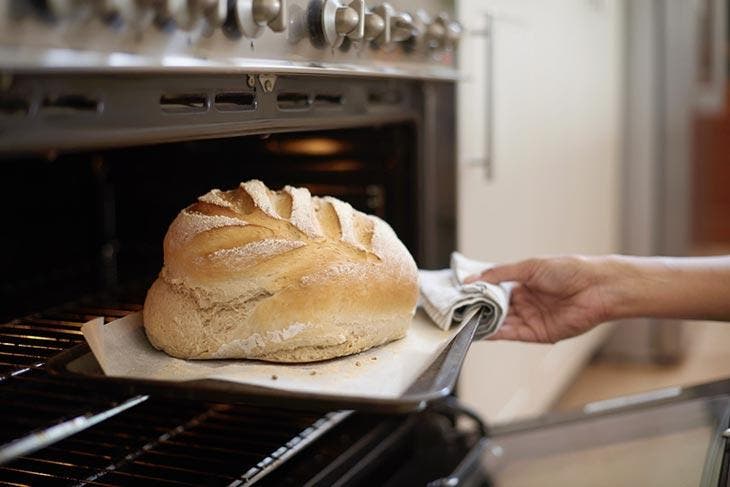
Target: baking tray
435, 383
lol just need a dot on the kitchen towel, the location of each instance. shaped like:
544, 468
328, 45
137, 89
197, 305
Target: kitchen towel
448, 301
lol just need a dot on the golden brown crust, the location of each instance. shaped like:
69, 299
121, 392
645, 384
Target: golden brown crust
278, 275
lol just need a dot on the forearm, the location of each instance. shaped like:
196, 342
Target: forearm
665, 287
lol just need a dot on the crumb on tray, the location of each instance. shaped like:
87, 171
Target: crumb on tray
274, 377
312, 372
373, 358
357, 364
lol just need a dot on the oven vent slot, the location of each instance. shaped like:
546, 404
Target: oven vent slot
14, 105
184, 103
70, 104
328, 100
391, 97
235, 102
293, 101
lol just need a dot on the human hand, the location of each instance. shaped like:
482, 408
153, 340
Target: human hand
554, 298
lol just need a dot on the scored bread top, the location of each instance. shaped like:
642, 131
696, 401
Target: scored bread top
254, 232
278, 275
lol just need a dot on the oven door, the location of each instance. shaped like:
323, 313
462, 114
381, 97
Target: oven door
665, 437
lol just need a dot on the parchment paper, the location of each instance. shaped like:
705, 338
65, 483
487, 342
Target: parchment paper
122, 349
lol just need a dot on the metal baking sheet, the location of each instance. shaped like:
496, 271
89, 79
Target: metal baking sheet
436, 382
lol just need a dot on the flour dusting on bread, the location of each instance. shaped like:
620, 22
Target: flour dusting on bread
249, 253
243, 267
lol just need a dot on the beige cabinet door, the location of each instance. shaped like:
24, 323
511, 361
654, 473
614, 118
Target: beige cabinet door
540, 104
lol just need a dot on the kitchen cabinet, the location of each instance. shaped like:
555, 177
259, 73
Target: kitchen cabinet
541, 105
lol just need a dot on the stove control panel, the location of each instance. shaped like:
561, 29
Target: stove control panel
408, 37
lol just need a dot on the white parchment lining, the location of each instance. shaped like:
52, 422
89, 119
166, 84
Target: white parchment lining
122, 349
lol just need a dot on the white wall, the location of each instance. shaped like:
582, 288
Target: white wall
557, 91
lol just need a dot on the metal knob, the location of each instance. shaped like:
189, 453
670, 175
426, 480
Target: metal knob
166, 11
374, 25
137, 14
346, 20
438, 33
340, 21
110, 11
402, 27
398, 26
250, 17
57, 10
215, 12
61, 8
453, 34
118, 12
385, 11
192, 12
435, 34
264, 11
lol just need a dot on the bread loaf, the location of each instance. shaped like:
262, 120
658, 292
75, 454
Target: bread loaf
279, 276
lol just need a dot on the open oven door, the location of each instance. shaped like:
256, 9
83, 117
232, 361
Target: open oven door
664, 437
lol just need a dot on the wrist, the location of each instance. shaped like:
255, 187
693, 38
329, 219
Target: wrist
642, 286
623, 284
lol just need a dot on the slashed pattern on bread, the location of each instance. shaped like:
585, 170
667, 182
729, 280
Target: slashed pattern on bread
280, 276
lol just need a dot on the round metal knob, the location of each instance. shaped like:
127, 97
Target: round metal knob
435, 34
346, 20
215, 12
249, 17
374, 26
187, 15
57, 10
60, 8
339, 21
169, 10
402, 27
137, 14
108, 10
453, 33
385, 11
194, 11
264, 11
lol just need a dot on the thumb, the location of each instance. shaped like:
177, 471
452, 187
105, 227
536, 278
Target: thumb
518, 271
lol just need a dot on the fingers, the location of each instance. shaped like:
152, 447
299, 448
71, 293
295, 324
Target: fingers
504, 333
510, 329
518, 332
514, 332
519, 325
519, 272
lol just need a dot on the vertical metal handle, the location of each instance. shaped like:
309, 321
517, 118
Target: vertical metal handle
486, 161
489, 97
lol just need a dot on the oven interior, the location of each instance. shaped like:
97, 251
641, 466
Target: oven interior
94, 221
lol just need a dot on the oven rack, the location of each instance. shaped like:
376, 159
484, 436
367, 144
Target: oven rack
57, 431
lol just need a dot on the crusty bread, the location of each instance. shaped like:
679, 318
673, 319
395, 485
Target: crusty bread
279, 276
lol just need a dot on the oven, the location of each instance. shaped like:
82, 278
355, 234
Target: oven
116, 114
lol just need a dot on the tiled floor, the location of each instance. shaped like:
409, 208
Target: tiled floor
708, 358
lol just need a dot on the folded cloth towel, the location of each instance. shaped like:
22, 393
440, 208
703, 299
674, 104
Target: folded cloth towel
447, 300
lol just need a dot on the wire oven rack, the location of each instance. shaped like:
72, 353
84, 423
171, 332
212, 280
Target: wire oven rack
57, 431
